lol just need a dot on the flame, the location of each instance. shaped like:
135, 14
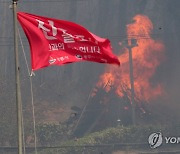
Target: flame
147, 56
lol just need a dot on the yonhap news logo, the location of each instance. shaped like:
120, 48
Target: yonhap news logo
156, 139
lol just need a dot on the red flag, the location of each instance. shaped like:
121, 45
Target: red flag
57, 42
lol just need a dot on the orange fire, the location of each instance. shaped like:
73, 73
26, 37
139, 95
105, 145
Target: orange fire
147, 56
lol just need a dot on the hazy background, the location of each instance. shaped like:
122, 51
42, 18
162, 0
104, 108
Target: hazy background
56, 89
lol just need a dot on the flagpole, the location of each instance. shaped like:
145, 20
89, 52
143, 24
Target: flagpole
17, 74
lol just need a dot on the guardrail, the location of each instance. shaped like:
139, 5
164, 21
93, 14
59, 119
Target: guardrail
122, 148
